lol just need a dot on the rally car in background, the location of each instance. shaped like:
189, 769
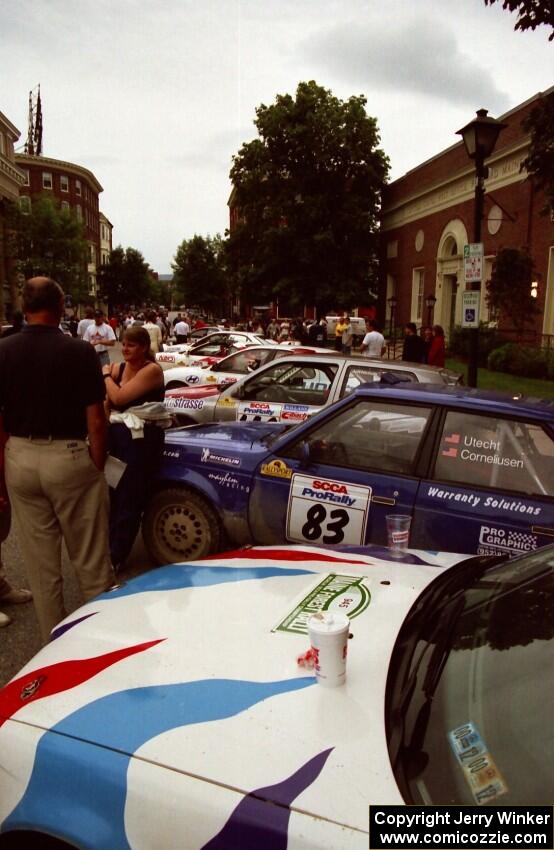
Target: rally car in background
473, 470
231, 368
171, 711
295, 387
215, 346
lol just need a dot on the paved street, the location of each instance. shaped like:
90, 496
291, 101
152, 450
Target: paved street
20, 640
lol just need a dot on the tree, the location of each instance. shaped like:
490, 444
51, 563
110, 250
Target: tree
530, 13
509, 289
125, 279
308, 193
47, 240
200, 278
540, 159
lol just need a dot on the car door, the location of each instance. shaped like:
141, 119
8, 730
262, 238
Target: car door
281, 392
335, 480
491, 487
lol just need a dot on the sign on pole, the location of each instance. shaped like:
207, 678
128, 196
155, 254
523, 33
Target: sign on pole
473, 262
470, 309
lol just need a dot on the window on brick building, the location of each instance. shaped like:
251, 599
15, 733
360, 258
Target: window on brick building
25, 204
79, 212
77, 187
418, 284
46, 180
26, 180
64, 183
65, 206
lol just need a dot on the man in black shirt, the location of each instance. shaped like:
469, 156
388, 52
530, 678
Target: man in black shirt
51, 401
414, 346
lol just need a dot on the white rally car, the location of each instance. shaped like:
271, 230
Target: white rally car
216, 346
172, 711
230, 369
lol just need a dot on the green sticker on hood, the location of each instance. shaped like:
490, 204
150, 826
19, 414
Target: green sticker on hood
335, 592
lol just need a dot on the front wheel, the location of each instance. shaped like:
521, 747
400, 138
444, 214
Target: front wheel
175, 385
179, 525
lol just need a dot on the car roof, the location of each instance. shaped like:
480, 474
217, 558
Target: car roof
361, 360
467, 397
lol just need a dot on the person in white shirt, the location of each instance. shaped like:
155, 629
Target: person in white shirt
373, 344
154, 332
86, 322
182, 330
100, 335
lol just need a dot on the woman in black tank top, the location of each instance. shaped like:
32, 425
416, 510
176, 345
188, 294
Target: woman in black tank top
137, 380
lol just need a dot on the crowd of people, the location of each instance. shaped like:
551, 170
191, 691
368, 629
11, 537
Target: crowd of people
54, 441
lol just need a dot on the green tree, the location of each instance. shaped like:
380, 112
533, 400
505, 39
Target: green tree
540, 160
308, 193
47, 240
530, 13
509, 289
125, 279
200, 278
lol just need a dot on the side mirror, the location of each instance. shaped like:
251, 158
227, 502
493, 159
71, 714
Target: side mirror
305, 454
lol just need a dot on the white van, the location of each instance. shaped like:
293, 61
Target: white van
357, 322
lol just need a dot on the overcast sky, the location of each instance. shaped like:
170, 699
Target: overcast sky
155, 96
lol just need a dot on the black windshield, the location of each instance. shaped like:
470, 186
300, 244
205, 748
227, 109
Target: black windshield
471, 687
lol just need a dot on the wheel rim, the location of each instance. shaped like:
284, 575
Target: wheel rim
184, 530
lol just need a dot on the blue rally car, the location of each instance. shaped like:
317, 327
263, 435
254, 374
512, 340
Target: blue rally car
473, 470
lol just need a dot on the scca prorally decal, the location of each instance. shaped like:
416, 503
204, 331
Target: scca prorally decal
179, 576
61, 677
269, 809
120, 723
61, 630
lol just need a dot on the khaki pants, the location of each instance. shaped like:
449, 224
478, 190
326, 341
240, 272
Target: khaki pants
57, 492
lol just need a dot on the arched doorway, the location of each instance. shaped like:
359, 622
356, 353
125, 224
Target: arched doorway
448, 309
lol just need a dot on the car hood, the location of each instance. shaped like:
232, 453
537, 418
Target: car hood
238, 435
193, 667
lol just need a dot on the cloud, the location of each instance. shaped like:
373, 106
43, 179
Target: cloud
420, 56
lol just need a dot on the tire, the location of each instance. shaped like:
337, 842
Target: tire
175, 385
179, 525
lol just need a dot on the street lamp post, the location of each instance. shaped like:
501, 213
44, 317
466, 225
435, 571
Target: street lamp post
392, 302
480, 137
430, 302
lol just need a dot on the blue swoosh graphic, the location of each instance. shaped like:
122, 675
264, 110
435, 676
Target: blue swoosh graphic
84, 787
257, 821
177, 576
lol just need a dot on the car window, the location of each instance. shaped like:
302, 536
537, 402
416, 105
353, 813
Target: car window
298, 383
488, 452
369, 435
244, 362
367, 373
214, 349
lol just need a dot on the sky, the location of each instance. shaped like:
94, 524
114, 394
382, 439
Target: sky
155, 96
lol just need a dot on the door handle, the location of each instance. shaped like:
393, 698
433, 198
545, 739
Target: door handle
538, 529
383, 500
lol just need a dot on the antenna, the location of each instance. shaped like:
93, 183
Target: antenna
33, 145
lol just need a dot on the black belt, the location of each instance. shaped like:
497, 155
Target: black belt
48, 436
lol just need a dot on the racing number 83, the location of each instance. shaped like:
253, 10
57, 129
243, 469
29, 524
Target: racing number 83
317, 515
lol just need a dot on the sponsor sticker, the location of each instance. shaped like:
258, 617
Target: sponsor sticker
347, 594
276, 468
208, 456
192, 379
166, 358
493, 502
225, 479
211, 379
321, 510
258, 411
479, 770
473, 450
185, 403
226, 401
493, 541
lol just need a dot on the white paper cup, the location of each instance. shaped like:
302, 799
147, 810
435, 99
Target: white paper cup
328, 633
398, 531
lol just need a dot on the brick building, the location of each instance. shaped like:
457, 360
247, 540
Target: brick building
427, 218
10, 182
76, 188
